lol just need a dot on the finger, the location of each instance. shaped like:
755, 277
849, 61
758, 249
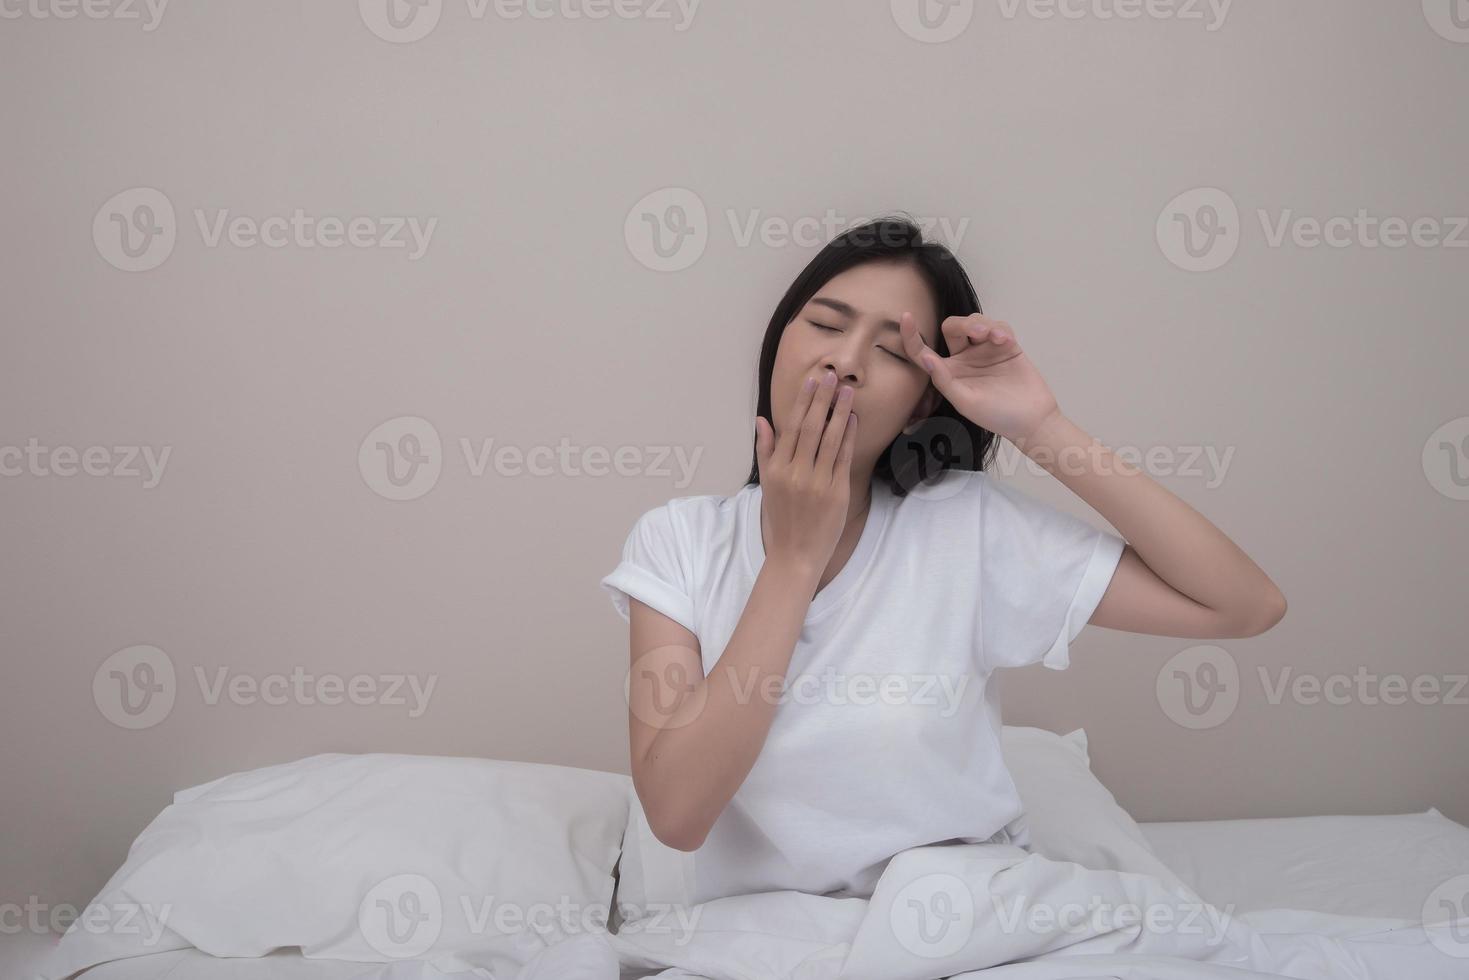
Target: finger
997, 332
831, 439
785, 444
809, 438
958, 332
913, 344
938, 372
843, 470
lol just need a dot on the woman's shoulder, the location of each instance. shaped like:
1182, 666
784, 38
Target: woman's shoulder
697, 516
709, 503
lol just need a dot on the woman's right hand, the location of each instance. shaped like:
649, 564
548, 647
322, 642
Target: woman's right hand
806, 475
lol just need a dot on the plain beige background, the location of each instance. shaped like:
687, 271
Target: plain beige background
545, 150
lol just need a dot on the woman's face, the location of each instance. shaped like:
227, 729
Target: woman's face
850, 327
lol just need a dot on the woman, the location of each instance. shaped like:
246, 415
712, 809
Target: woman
807, 694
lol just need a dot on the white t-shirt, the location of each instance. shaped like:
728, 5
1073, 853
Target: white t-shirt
887, 735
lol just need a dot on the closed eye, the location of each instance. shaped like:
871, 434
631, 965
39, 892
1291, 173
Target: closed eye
822, 326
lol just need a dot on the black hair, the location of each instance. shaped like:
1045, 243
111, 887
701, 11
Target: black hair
947, 439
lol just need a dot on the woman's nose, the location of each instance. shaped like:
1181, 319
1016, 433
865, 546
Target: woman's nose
844, 368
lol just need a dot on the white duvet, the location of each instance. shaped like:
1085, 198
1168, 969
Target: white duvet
989, 911
341, 863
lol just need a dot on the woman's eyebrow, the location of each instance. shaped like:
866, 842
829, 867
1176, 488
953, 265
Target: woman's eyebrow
846, 309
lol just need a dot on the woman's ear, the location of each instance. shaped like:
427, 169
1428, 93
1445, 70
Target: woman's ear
928, 403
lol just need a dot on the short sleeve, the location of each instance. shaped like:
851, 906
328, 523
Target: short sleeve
654, 569
1042, 573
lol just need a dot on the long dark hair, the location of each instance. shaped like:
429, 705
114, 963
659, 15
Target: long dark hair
947, 440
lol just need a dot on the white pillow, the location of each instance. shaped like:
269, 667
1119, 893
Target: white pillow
1069, 815
370, 858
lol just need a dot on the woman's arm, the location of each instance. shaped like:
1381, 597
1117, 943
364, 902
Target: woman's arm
1179, 574
693, 738
696, 738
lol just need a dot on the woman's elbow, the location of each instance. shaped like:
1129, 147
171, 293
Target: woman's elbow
667, 821
1269, 612
680, 835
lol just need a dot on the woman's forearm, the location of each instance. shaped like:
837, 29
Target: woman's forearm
1178, 543
696, 765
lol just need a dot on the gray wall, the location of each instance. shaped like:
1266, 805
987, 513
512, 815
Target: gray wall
1051, 151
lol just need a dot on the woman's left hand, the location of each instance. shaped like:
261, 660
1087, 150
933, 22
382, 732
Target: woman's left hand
986, 377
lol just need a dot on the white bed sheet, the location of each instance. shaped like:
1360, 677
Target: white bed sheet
1377, 867
20, 961
1372, 866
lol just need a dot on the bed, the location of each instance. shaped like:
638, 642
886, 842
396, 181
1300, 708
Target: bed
1366, 880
